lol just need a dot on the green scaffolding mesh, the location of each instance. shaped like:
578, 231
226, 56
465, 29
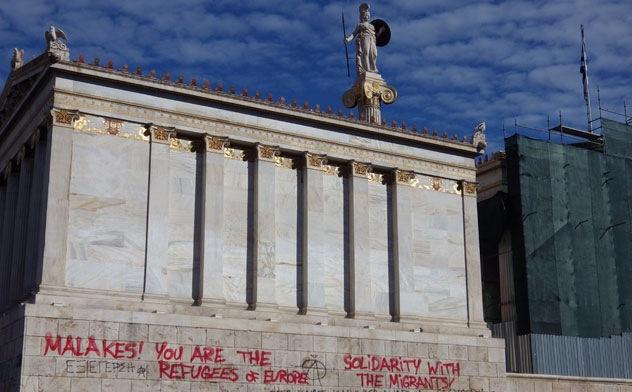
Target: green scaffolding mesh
571, 223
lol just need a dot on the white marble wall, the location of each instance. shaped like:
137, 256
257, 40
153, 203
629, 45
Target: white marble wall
107, 213
285, 275
235, 229
334, 237
438, 254
183, 171
378, 238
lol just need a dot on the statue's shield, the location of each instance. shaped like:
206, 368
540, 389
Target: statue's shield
382, 32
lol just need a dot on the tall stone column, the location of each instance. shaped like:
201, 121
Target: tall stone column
359, 266
263, 292
313, 236
8, 230
472, 255
401, 271
213, 220
35, 213
25, 164
157, 246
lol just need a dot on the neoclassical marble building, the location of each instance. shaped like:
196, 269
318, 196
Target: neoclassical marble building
146, 220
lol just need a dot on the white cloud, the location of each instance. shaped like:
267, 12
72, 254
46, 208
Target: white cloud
453, 62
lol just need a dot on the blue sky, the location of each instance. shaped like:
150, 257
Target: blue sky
453, 63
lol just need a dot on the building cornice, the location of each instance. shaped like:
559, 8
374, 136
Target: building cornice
285, 111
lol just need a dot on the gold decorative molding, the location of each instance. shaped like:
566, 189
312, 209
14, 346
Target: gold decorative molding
315, 161
468, 188
160, 135
80, 123
272, 136
182, 145
332, 170
112, 127
360, 169
436, 183
216, 144
63, 116
284, 162
233, 153
267, 153
376, 178
405, 177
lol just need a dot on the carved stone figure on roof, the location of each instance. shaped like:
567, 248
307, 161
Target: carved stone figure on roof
56, 43
18, 58
478, 138
366, 48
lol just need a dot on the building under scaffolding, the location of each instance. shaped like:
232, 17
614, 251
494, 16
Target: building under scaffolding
556, 241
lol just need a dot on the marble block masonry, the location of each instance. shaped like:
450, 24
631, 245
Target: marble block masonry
159, 235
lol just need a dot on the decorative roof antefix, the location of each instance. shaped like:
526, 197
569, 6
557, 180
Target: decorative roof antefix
293, 105
58, 48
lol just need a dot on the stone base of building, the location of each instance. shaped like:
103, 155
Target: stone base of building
71, 348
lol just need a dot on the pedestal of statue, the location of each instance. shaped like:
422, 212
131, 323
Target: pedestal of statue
368, 93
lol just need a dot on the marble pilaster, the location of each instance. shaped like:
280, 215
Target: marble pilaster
264, 238
35, 214
334, 239
314, 238
401, 276
59, 143
472, 255
379, 243
25, 163
157, 246
360, 303
213, 220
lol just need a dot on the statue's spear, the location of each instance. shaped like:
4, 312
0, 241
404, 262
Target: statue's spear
344, 33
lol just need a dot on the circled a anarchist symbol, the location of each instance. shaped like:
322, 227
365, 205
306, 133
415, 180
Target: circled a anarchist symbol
314, 369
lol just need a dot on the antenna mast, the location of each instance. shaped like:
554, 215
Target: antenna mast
583, 69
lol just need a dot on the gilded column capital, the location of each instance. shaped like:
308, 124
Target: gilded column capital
112, 126
468, 188
159, 135
267, 153
216, 144
315, 161
405, 177
360, 169
64, 116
